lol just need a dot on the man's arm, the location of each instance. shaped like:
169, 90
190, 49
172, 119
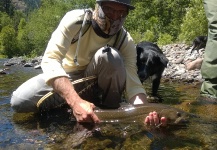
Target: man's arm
82, 110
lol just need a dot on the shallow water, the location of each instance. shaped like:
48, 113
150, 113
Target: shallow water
56, 130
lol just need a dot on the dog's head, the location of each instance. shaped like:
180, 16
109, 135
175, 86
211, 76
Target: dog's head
150, 61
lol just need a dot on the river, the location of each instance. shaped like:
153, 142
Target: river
56, 130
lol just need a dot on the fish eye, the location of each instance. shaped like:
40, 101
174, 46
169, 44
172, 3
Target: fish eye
178, 114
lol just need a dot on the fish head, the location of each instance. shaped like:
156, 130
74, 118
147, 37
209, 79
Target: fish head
175, 116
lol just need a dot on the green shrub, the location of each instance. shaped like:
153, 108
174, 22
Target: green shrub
164, 39
194, 23
8, 41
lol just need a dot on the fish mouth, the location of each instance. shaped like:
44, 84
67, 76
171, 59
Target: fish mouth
181, 121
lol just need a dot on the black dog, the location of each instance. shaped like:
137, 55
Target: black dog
198, 43
151, 62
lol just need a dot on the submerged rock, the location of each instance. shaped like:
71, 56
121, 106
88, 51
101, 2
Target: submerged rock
3, 71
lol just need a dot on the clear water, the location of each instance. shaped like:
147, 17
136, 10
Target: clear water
55, 130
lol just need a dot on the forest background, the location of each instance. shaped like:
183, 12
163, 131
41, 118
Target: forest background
26, 25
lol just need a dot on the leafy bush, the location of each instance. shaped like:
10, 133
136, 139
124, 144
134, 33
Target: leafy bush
8, 41
5, 20
164, 39
194, 23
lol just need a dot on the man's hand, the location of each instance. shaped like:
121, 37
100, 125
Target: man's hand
153, 119
83, 111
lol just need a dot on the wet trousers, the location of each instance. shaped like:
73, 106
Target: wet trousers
209, 65
107, 65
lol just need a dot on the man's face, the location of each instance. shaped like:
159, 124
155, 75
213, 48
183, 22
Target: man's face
114, 10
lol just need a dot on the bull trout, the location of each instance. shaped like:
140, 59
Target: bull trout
137, 113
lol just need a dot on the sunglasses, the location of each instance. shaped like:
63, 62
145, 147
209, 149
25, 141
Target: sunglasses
110, 12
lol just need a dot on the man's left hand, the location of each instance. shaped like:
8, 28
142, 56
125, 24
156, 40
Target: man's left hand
153, 119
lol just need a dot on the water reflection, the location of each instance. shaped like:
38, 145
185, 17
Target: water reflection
56, 129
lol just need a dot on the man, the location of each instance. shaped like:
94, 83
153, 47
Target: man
65, 60
209, 65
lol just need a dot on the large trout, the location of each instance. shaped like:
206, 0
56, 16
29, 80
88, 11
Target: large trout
129, 113
137, 113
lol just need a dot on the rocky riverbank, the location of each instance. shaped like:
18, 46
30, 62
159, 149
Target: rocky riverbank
183, 65
34, 62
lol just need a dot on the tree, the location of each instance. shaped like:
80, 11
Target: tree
18, 15
157, 17
23, 43
8, 41
5, 20
194, 22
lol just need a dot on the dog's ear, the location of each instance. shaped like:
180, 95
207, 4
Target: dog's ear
164, 60
139, 50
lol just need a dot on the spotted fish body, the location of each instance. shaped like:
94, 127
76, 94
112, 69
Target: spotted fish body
137, 113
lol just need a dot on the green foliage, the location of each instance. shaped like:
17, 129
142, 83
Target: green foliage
194, 22
81, 4
8, 41
2, 56
147, 36
23, 42
157, 16
5, 20
164, 39
18, 15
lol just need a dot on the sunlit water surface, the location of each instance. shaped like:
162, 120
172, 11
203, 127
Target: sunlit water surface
56, 130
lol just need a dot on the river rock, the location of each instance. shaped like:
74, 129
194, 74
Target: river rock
2, 71
183, 65
37, 67
28, 65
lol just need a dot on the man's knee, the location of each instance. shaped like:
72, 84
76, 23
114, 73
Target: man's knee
110, 57
21, 105
26, 96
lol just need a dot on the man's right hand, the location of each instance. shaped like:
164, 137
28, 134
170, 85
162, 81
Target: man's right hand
84, 111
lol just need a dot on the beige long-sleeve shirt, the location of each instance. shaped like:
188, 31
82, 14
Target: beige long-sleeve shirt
58, 59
